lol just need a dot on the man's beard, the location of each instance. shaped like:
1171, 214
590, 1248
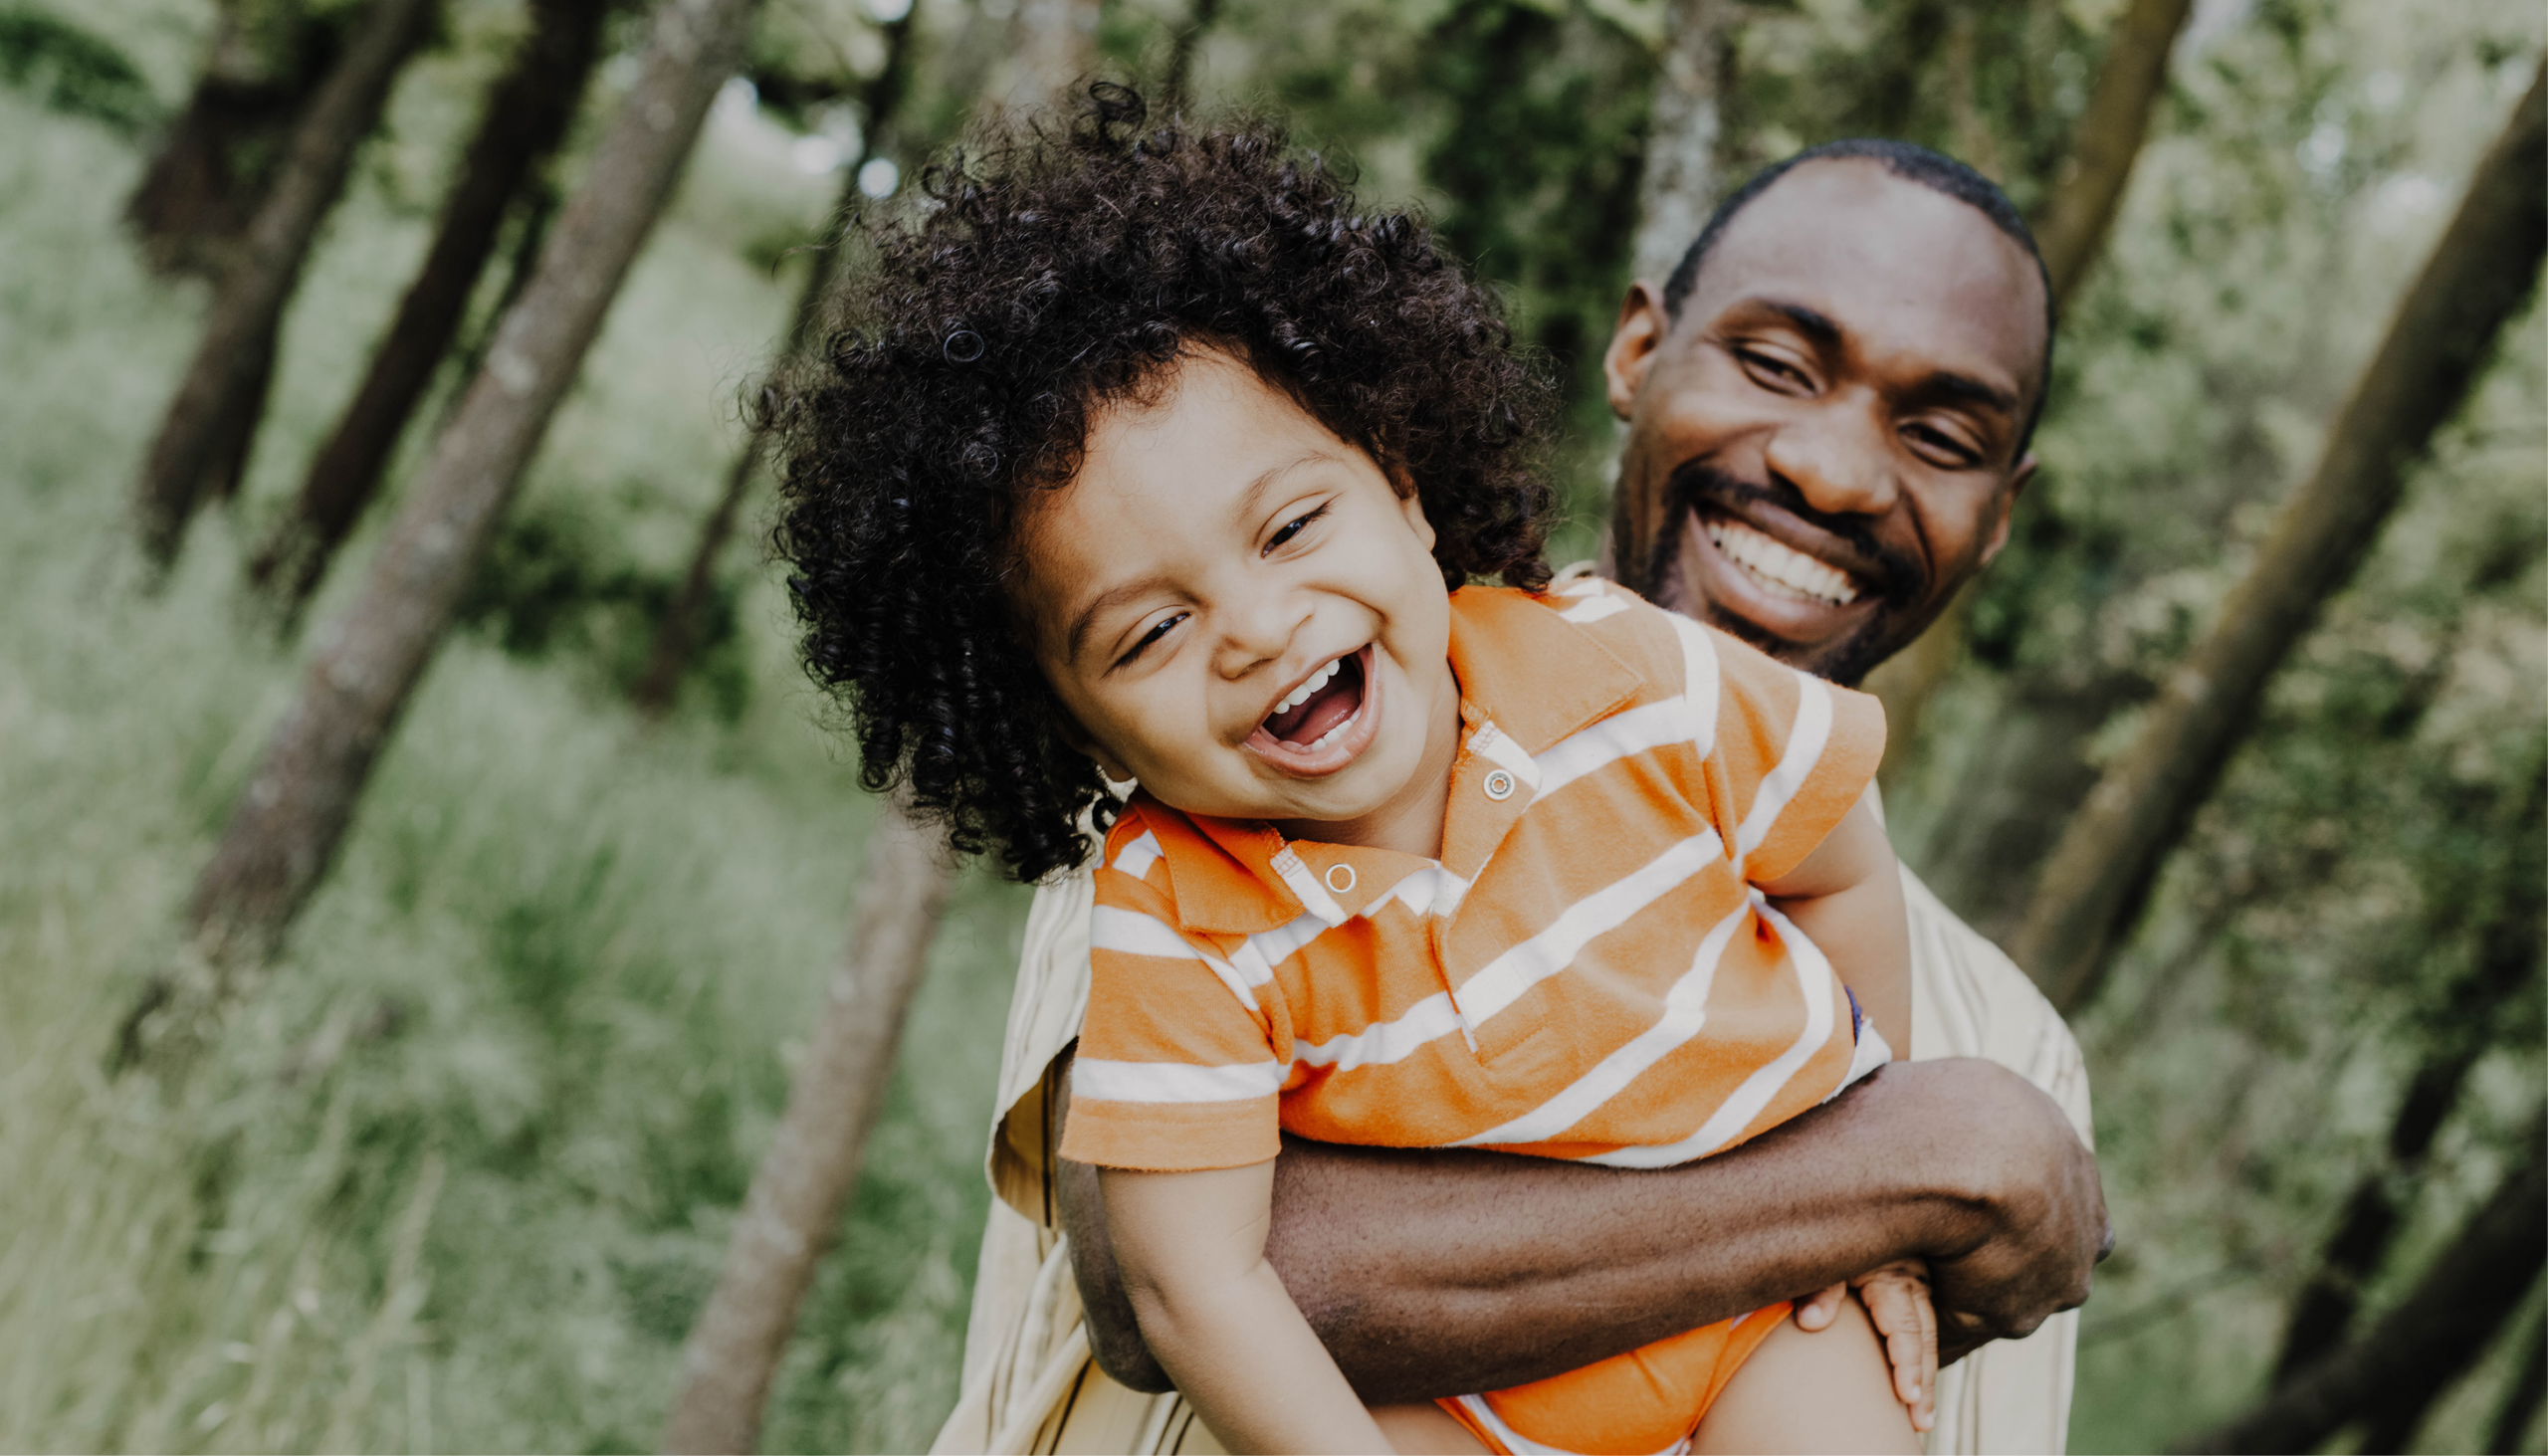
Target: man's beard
1897, 581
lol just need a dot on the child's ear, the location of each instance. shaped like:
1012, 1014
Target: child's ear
1080, 742
1412, 505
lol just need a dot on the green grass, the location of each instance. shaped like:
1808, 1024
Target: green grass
459, 1173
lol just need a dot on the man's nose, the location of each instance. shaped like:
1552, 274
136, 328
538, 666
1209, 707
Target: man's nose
1257, 629
1839, 458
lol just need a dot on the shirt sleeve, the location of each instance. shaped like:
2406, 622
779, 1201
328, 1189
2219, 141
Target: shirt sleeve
1177, 1069
1792, 755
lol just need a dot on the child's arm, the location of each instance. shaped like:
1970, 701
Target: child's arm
1847, 898
1192, 1246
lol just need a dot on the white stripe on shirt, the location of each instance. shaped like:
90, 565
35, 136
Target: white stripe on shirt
1501, 981
1384, 1042
1807, 739
1131, 933
1813, 978
1685, 1011
1093, 1079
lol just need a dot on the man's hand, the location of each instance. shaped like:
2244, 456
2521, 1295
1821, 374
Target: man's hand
1447, 1271
2036, 1219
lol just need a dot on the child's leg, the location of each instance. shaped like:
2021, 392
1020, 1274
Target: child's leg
1424, 1426
1831, 1390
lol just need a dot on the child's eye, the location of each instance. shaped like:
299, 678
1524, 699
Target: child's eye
1152, 635
1294, 527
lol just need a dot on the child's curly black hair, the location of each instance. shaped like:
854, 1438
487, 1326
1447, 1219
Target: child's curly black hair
1055, 270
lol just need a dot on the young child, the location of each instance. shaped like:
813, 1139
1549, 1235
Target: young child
1145, 459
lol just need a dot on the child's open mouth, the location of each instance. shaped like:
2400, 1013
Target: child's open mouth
1324, 722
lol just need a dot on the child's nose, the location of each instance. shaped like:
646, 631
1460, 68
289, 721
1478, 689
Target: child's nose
1260, 631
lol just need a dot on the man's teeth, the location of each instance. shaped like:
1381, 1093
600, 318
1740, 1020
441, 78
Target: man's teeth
1302, 693
1781, 566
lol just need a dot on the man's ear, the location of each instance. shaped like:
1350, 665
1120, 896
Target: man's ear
2019, 477
1643, 325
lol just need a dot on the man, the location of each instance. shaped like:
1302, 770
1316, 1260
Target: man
1828, 406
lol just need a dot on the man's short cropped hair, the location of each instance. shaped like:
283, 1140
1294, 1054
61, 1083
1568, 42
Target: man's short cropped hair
1912, 163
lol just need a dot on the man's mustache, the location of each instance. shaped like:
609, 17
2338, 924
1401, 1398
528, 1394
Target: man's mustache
1887, 572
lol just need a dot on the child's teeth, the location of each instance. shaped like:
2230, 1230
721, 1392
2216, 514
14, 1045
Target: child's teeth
1303, 693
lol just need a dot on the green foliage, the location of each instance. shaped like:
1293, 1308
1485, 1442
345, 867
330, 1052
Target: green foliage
72, 71
560, 580
460, 1174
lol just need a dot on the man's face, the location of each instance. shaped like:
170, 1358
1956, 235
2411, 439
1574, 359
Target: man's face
1824, 445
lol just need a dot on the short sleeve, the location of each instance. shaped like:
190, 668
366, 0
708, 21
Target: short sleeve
1177, 1069
1792, 755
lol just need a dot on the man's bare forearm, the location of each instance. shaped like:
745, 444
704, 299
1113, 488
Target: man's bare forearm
1431, 1273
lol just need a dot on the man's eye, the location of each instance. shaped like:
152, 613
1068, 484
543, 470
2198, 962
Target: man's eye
1152, 635
1942, 447
1294, 527
1777, 369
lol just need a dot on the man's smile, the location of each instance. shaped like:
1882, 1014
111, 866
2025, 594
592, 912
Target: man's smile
1778, 567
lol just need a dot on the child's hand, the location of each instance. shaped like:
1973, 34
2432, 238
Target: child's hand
1897, 1296
1897, 1301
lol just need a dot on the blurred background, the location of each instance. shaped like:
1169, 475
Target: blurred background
455, 1165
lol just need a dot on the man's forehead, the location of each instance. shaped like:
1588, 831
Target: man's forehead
1897, 266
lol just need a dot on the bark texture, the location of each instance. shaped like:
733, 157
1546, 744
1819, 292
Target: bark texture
2507, 958
2477, 279
262, 64
677, 631
793, 1210
527, 114
2082, 210
2523, 1394
1683, 169
204, 422
1177, 84
2417, 1348
286, 824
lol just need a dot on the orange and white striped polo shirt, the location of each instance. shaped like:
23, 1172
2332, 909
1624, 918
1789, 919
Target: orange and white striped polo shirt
1587, 973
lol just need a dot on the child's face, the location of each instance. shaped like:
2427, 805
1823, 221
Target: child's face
1219, 554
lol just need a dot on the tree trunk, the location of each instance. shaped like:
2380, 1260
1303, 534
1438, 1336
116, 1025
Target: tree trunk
1683, 172
1178, 86
2434, 1334
533, 213
247, 306
527, 114
677, 631
793, 1210
2522, 1396
2082, 210
1677, 188
230, 449
2506, 959
2479, 275
195, 198
285, 828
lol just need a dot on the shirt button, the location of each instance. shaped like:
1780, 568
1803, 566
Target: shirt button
1499, 785
1339, 879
